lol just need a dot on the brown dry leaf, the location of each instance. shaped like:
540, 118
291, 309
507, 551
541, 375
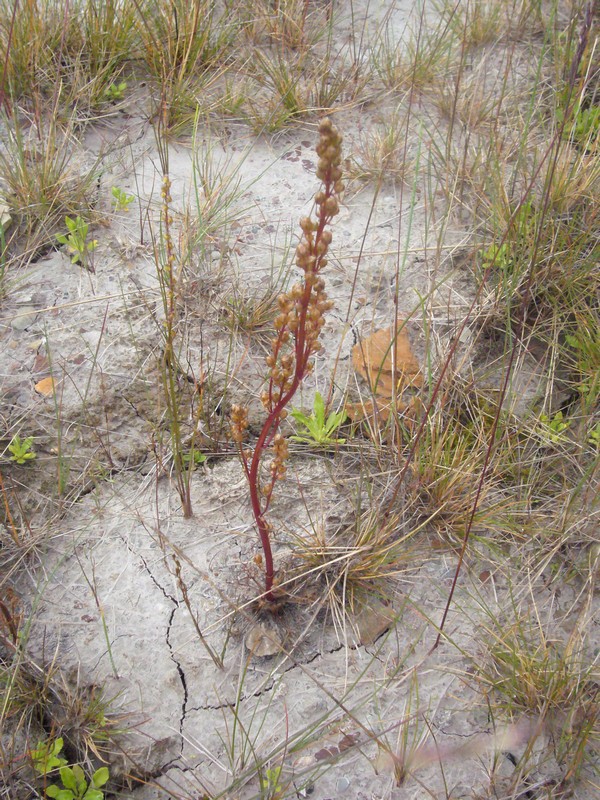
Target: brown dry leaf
374, 358
348, 741
45, 386
365, 410
371, 621
40, 363
262, 641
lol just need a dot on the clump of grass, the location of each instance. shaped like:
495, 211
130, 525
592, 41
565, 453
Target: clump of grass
44, 180
381, 153
298, 327
290, 24
181, 43
531, 669
449, 457
75, 51
252, 313
218, 189
488, 22
354, 563
417, 59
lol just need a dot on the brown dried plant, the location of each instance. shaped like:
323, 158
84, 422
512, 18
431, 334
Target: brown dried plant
298, 326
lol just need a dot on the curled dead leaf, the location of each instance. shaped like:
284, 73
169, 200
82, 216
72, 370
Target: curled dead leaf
348, 741
45, 387
390, 367
380, 360
262, 641
372, 621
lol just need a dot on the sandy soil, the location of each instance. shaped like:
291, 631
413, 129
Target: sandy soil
106, 599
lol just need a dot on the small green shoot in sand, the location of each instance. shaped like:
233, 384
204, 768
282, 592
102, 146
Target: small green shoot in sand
76, 240
121, 200
318, 429
76, 787
193, 458
20, 449
270, 786
115, 91
553, 428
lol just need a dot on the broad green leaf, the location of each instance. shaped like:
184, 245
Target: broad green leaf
300, 417
82, 784
100, 777
67, 776
93, 794
319, 409
59, 794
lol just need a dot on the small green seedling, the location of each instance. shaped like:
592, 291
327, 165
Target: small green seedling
76, 787
121, 200
115, 91
497, 256
553, 429
270, 785
196, 458
46, 756
20, 450
76, 240
319, 430
594, 436
584, 126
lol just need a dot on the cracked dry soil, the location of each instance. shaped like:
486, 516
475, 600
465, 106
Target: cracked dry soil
107, 603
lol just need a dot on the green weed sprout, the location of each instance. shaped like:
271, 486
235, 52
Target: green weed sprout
317, 428
46, 756
499, 256
76, 787
297, 329
115, 91
121, 200
584, 125
76, 240
20, 450
194, 459
553, 428
270, 786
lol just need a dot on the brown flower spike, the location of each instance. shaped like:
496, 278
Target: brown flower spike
298, 326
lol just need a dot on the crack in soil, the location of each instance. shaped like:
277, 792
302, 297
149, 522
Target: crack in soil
180, 671
270, 686
178, 667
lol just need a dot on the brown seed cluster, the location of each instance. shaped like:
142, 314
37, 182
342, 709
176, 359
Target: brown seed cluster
238, 423
297, 328
280, 453
302, 308
167, 221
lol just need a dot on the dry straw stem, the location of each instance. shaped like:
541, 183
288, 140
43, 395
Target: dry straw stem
298, 326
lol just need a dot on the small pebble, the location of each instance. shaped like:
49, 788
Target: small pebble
342, 784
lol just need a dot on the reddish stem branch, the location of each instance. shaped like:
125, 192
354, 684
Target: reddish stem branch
300, 320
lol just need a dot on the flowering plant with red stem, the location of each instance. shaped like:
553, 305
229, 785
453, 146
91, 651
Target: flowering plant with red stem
298, 326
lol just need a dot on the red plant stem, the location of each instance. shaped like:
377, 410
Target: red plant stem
302, 355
